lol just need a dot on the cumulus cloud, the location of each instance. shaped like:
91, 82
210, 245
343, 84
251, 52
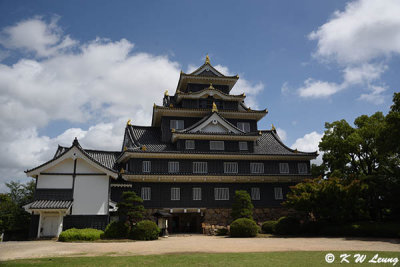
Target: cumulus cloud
281, 133
318, 89
308, 143
359, 39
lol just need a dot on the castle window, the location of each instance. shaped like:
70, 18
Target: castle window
216, 145
278, 192
196, 193
256, 167
176, 124
189, 144
283, 167
146, 193
221, 193
173, 166
199, 167
243, 146
175, 193
302, 168
230, 167
255, 193
146, 167
244, 126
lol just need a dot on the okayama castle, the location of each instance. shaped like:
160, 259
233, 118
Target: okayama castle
203, 145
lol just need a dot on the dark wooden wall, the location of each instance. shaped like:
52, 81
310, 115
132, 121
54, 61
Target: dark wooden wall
161, 194
53, 194
160, 166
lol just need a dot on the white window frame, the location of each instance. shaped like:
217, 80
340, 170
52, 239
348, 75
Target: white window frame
231, 167
221, 193
173, 166
284, 167
177, 124
255, 193
243, 146
196, 193
278, 193
217, 145
146, 166
256, 167
175, 193
244, 126
190, 144
146, 193
303, 169
200, 167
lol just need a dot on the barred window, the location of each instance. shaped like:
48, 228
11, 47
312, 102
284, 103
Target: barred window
230, 167
243, 146
146, 193
244, 126
146, 167
127, 166
221, 193
189, 144
284, 167
302, 168
176, 124
173, 166
256, 167
216, 145
175, 193
255, 193
278, 192
199, 167
196, 193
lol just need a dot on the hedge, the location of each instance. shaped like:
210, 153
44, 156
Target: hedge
243, 227
287, 226
268, 227
73, 234
145, 230
116, 230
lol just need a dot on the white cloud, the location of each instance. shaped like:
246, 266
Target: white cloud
318, 89
375, 96
35, 35
365, 30
365, 73
285, 88
309, 143
281, 133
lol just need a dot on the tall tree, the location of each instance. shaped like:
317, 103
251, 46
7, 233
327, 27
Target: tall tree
242, 206
130, 208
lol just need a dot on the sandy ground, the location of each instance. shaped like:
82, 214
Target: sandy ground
190, 244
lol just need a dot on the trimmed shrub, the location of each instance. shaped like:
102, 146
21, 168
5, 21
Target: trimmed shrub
268, 227
243, 227
116, 230
145, 230
222, 231
73, 234
242, 206
287, 226
364, 229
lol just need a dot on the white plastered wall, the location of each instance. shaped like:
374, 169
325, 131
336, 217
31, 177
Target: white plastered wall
54, 181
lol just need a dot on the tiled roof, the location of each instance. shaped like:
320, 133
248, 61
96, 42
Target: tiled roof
268, 143
50, 204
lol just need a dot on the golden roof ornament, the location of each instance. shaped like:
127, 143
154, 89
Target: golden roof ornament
171, 105
125, 148
166, 93
214, 107
296, 151
172, 130
144, 148
273, 127
207, 60
128, 123
211, 86
122, 171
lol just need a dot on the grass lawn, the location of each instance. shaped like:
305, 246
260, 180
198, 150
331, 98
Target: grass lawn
296, 258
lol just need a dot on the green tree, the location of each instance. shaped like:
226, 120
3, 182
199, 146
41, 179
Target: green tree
242, 206
329, 200
130, 208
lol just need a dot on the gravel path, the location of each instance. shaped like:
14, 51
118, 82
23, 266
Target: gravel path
190, 243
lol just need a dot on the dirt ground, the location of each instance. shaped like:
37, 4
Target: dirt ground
190, 244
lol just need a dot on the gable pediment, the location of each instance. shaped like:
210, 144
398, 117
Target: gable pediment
215, 124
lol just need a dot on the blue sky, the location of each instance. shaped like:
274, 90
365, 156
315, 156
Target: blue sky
83, 68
